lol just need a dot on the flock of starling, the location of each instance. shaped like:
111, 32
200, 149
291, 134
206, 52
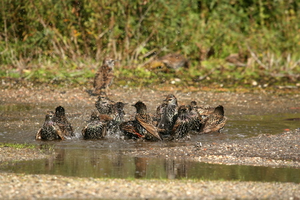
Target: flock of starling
170, 122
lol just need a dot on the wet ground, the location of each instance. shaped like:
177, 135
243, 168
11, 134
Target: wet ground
23, 111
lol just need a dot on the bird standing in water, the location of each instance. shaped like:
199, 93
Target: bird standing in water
168, 114
215, 121
117, 117
142, 126
104, 105
50, 130
181, 127
104, 76
63, 123
196, 119
95, 129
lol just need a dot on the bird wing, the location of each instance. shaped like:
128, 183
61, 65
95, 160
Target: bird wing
98, 80
128, 127
38, 135
103, 77
105, 118
215, 123
100, 76
60, 134
145, 122
83, 131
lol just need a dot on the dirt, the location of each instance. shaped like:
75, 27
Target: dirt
264, 150
281, 150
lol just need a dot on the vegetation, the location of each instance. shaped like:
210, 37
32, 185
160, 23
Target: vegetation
17, 146
64, 42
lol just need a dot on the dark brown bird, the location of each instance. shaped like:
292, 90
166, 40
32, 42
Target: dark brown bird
145, 124
205, 110
117, 118
174, 61
159, 113
104, 105
50, 130
237, 59
168, 114
95, 129
142, 126
118, 111
196, 119
130, 130
104, 76
215, 121
63, 123
181, 127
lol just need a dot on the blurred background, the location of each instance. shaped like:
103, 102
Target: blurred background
253, 43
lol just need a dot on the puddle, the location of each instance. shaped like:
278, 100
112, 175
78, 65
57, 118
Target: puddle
113, 164
105, 158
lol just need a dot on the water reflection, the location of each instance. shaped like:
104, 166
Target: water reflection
105, 164
176, 169
140, 167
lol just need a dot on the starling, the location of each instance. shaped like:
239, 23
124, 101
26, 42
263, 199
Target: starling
50, 130
145, 125
117, 117
104, 105
95, 129
168, 114
196, 119
142, 126
215, 121
130, 130
207, 110
159, 112
181, 127
62, 121
174, 61
238, 59
104, 76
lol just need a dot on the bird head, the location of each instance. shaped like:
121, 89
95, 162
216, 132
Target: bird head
171, 99
60, 111
109, 62
140, 107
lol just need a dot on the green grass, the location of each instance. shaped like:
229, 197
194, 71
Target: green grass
64, 45
17, 146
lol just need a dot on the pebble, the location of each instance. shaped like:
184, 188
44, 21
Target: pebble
278, 150
26, 187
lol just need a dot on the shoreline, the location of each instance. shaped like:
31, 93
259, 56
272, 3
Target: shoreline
280, 150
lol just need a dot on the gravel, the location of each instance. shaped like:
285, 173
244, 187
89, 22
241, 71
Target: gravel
19, 154
16, 186
280, 150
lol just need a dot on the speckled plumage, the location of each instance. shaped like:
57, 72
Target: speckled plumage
142, 126
181, 127
174, 61
215, 121
117, 117
50, 130
63, 123
95, 129
104, 105
168, 114
104, 76
196, 119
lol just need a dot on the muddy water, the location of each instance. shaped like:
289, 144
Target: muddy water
104, 158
